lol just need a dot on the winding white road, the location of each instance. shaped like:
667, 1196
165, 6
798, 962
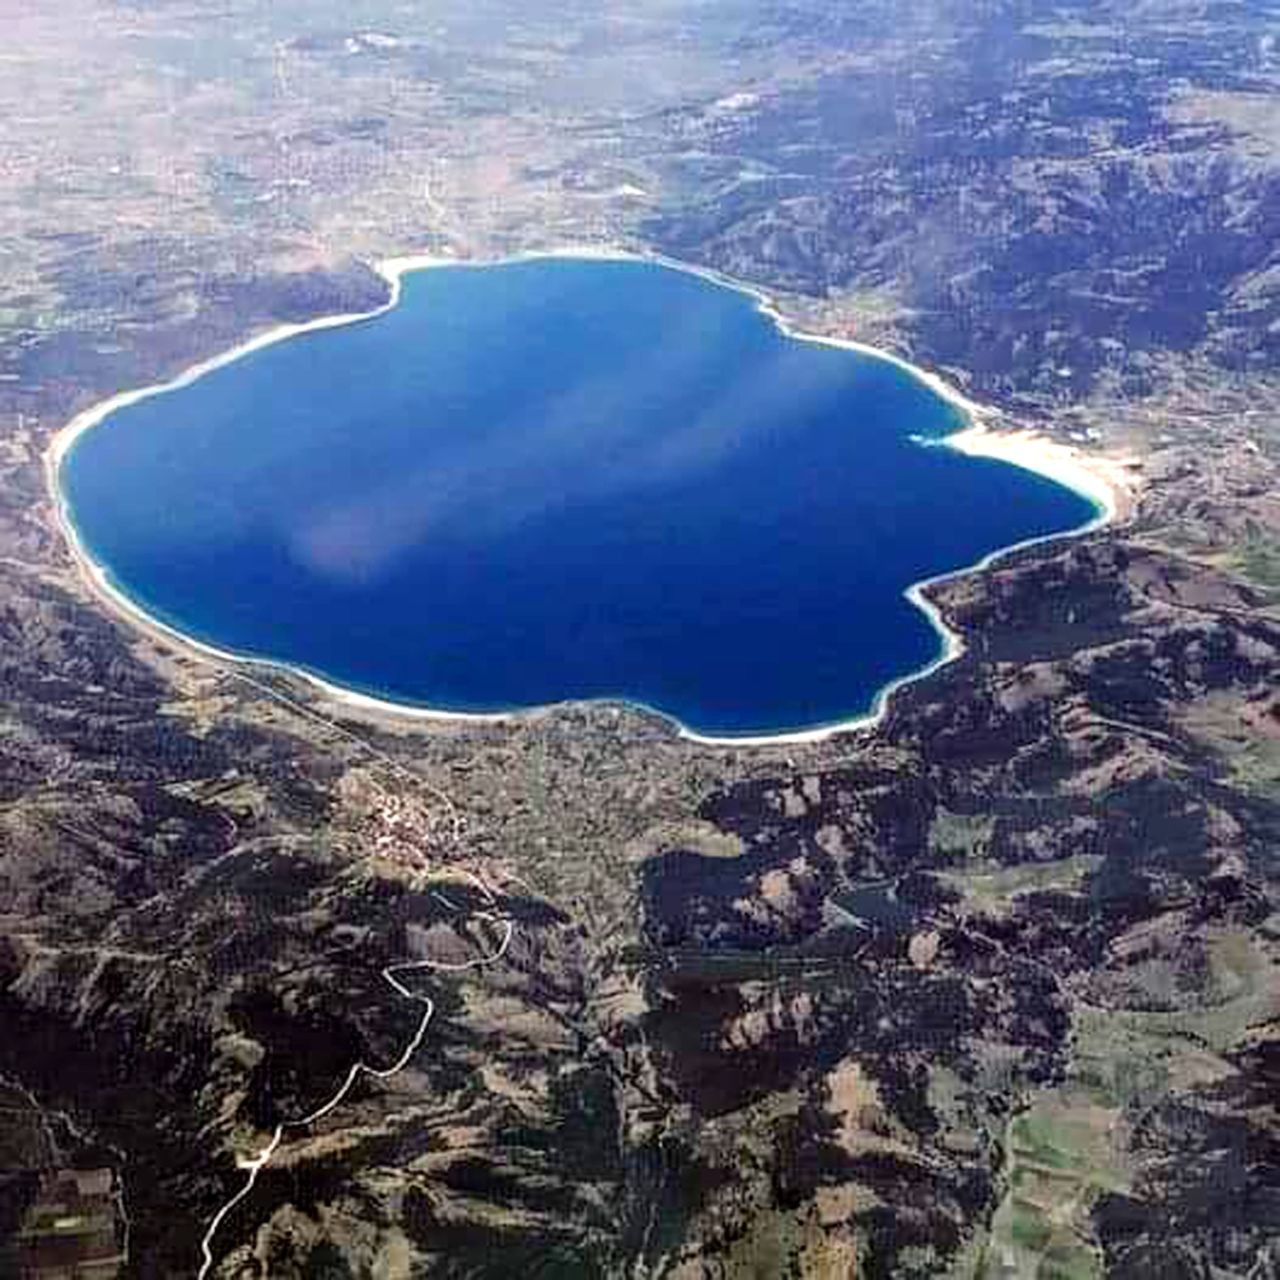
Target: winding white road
390, 974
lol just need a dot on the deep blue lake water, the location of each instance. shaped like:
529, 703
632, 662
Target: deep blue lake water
552, 479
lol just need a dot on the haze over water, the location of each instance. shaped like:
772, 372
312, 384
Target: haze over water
553, 479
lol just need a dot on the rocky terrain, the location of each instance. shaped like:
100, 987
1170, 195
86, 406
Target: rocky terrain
989, 991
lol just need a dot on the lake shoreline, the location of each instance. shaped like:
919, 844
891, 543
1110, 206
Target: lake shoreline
1099, 479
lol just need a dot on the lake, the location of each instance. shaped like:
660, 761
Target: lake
556, 478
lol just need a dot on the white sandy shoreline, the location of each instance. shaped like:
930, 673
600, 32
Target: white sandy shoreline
1103, 481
